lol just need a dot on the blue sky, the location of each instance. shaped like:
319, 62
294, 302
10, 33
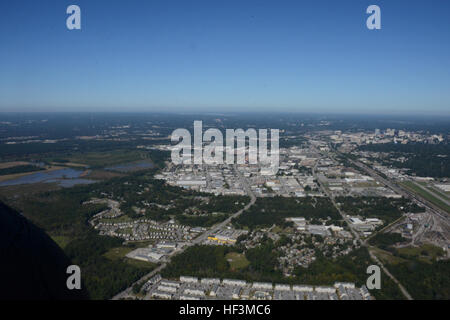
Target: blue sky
218, 56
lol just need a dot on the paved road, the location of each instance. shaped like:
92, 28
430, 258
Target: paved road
404, 192
221, 225
432, 192
127, 293
386, 271
363, 242
331, 197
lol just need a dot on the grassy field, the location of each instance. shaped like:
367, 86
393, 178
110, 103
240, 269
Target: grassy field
237, 260
277, 229
441, 193
62, 241
427, 195
425, 253
117, 253
434, 189
386, 256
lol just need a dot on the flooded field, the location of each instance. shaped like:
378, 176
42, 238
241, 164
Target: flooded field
65, 177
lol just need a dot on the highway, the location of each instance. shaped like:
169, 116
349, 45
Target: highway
432, 192
402, 191
386, 271
357, 237
331, 197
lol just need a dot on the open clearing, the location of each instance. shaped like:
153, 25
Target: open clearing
425, 253
386, 256
62, 241
117, 253
237, 260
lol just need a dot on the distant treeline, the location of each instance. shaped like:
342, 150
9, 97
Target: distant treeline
19, 169
21, 150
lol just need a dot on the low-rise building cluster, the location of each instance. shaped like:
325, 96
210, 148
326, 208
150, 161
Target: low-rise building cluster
192, 288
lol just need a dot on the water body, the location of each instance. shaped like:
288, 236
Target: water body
132, 166
66, 177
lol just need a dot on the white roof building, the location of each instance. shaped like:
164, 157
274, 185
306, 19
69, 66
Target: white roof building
188, 279
233, 282
282, 287
347, 285
210, 281
325, 289
262, 285
303, 288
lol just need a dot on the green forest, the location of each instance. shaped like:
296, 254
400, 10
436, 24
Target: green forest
19, 169
268, 211
210, 261
423, 159
385, 209
63, 216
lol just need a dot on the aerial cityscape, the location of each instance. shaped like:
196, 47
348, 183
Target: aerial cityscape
224, 151
342, 200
